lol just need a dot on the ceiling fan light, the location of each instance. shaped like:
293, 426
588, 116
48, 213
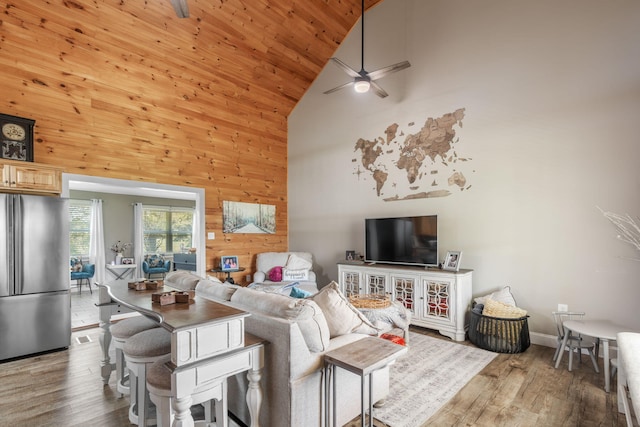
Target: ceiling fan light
362, 86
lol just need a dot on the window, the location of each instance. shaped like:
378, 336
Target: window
79, 227
167, 229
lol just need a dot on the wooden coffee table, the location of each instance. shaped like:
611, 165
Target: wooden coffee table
362, 357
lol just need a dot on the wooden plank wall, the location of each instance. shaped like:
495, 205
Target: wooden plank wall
125, 89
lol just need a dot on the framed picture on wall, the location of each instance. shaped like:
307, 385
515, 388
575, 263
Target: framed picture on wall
229, 263
452, 261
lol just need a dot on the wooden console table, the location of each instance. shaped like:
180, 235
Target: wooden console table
362, 357
208, 343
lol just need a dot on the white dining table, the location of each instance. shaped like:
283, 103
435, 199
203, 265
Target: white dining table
603, 330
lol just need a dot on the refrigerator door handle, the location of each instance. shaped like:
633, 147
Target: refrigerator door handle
17, 246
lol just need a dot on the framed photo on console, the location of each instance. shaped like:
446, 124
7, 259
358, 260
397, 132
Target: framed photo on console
128, 261
452, 261
229, 263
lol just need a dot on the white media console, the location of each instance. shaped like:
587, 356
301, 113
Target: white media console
438, 299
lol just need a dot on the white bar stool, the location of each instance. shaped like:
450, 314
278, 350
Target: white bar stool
213, 398
140, 351
121, 332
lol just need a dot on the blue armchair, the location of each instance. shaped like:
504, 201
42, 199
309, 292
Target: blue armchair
81, 272
155, 264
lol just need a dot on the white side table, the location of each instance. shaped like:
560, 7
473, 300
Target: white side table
121, 271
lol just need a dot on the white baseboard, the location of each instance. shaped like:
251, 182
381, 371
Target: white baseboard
543, 339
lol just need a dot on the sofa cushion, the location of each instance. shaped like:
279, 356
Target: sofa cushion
215, 289
183, 280
341, 316
304, 312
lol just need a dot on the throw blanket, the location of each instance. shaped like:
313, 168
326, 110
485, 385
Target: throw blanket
396, 315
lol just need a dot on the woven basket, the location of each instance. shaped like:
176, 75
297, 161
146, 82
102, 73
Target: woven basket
370, 301
499, 335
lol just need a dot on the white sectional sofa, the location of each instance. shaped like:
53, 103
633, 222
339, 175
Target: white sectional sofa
299, 334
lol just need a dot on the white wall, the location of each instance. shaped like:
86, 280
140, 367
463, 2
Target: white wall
552, 98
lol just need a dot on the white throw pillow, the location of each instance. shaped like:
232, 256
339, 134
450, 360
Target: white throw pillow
341, 316
288, 274
504, 296
297, 263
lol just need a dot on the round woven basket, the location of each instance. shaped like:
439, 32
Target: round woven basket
370, 301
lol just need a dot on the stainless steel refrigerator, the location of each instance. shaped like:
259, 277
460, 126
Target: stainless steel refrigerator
35, 303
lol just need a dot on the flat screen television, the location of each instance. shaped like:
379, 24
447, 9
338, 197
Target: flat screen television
404, 240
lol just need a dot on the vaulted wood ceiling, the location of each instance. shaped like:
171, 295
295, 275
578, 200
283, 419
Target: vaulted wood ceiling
126, 89
275, 46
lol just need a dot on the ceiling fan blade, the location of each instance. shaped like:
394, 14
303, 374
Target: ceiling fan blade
378, 74
181, 7
350, 71
335, 89
378, 90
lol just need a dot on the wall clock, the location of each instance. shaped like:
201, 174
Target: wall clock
16, 138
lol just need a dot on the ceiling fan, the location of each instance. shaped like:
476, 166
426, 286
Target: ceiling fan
364, 80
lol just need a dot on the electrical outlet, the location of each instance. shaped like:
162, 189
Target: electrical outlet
248, 278
211, 235
563, 307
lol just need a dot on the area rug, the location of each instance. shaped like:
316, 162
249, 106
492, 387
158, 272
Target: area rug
425, 378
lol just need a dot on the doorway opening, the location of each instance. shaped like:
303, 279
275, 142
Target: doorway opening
84, 313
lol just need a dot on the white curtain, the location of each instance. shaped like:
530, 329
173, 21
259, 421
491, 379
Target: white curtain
195, 230
96, 241
138, 237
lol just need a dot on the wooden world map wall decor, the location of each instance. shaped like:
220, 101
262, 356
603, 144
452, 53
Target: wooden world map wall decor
423, 164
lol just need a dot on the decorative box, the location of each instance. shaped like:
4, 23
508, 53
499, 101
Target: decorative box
164, 298
138, 286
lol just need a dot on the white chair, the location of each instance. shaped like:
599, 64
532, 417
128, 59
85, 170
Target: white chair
266, 261
140, 351
121, 332
575, 343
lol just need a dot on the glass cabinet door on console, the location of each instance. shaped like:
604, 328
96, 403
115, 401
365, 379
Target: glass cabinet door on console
404, 290
349, 281
436, 300
376, 284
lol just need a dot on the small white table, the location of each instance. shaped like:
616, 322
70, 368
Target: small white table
603, 330
362, 357
120, 271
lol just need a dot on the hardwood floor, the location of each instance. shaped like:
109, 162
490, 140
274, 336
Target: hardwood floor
65, 389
